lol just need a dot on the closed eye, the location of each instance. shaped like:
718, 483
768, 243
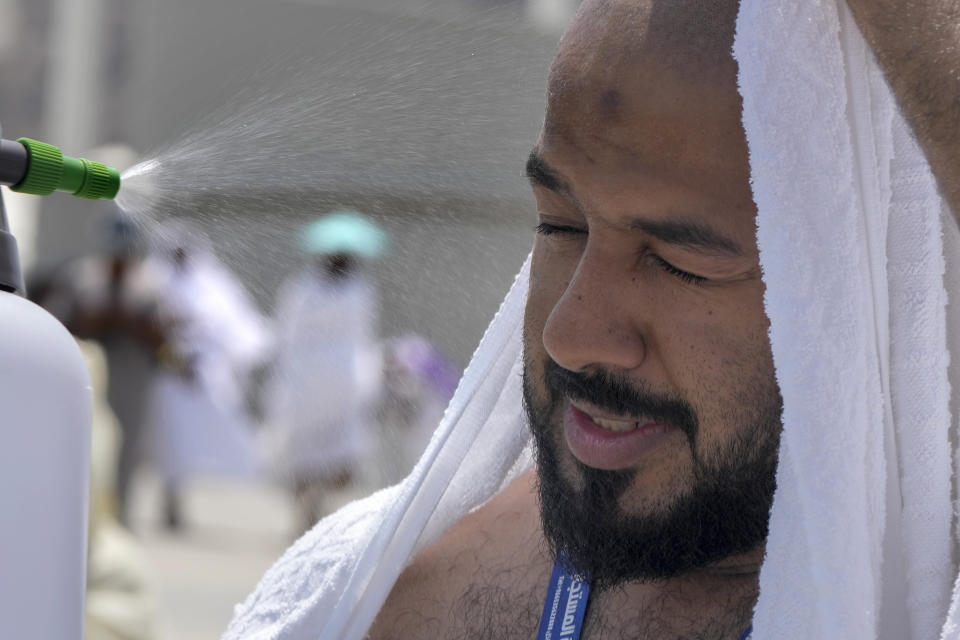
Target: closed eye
548, 229
686, 276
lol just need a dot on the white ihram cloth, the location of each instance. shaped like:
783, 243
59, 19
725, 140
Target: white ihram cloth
200, 425
849, 227
851, 234
325, 378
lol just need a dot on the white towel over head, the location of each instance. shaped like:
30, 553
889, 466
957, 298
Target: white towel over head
852, 240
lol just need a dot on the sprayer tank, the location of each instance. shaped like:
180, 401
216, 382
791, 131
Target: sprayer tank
46, 404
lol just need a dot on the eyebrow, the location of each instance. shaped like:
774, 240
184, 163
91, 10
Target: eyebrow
540, 173
690, 235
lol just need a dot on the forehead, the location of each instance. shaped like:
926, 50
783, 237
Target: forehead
632, 42
642, 97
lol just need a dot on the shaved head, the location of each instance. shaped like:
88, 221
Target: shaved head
613, 39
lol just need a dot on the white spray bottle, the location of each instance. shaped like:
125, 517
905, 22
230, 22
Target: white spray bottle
45, 422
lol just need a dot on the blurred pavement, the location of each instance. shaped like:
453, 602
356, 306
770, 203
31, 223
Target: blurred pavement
233, 532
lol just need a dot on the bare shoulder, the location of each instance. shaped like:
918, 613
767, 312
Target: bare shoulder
488, 566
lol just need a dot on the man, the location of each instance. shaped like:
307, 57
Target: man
325, 377
648, 381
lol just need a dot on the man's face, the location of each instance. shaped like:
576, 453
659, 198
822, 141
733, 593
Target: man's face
649, 381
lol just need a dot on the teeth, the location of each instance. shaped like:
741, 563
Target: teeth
615, 425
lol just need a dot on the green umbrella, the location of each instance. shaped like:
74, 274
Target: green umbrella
344, 232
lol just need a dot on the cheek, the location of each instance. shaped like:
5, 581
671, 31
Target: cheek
707, 342
718, 328
729, 375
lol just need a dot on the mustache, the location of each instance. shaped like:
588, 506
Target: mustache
616, 394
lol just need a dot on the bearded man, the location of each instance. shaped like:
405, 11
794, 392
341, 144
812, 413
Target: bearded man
649, 384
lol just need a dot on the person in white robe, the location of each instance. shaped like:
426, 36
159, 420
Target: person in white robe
199, 420
325, 379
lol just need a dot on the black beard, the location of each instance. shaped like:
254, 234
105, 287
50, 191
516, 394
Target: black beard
725, 512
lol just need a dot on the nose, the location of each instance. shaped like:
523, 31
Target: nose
596, 322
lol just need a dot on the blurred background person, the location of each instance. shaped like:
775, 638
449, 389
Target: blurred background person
326, 376
115, 298
418, 382
198, 419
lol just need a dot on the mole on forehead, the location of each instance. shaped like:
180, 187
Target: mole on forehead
610, 103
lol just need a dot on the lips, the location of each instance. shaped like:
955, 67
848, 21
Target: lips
610, 442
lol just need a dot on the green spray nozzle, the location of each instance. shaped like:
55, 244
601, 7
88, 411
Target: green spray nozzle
31, 166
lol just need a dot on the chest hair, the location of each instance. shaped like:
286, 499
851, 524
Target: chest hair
491, 611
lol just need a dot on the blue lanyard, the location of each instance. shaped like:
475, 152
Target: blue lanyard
565, 606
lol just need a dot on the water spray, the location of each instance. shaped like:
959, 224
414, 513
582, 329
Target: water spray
38, 168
